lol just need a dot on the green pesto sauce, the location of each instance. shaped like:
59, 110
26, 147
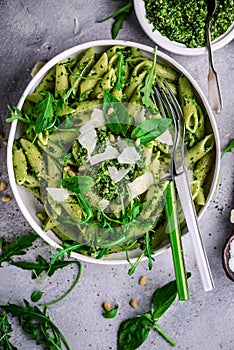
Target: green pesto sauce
183, 21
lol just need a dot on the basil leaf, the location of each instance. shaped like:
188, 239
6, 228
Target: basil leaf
78, 184
133, 333
36, 296
112, 313
116, 114
149, 129
147, 89
164, 297
228, 148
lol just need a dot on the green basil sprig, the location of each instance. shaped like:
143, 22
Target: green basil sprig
134, 332
149, 129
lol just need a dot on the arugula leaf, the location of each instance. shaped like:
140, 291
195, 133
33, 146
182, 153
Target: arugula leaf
44, 113
133, 333
111, 313
5, 330
78, 184
116, 114
16, 114
36, 296
38, 325
147, 250
149, 129
229, 147
147, 90
16, 247
120, 72
119, 15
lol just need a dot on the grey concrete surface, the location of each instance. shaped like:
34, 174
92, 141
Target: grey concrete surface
37, 30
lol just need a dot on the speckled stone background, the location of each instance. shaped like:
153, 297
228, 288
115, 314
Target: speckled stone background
37, 30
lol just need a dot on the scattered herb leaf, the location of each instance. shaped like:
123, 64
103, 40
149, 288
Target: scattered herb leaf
5, 330
149, 129
38, 325
229, 147
111, 313
36, 296
134, 332
16, 247
119, 15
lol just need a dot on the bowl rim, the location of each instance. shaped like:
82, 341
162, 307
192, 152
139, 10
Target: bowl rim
31, 85
173, 46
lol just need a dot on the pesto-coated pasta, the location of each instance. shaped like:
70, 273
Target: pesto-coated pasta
99, 184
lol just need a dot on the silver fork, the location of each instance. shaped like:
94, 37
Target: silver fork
171, 108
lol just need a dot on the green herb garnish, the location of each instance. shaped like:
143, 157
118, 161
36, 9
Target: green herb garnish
229, 147
120, 72
16, 247
119, 16
147, 90
36, 296
116, 114
149, 129
134, 332
5, 330
111, 313
38, 325
78, 184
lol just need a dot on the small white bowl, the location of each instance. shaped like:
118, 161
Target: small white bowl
27, 202
174, 46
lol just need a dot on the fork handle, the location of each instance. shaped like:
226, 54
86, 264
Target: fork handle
192, 224
175, 240
214, 94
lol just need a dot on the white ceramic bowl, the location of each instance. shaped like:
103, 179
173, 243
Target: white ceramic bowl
26, 201
174, 46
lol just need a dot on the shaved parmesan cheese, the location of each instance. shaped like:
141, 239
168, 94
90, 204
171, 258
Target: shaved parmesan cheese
109, 153
97, 118
165, 138
122, 144
58, 194
140, 117
103, 204
140, 184
88, 135
117, 175
88, 140
129, 156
